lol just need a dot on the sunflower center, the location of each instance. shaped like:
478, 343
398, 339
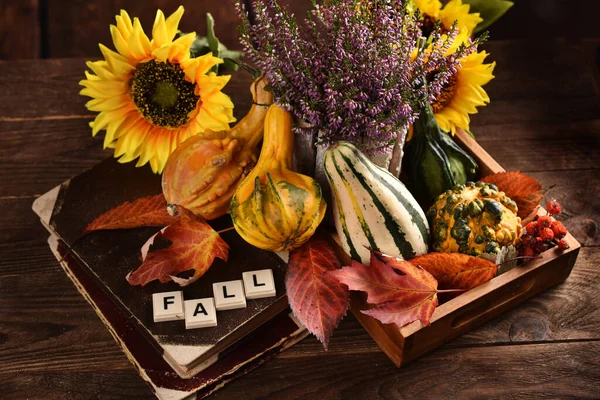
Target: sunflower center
428, 26
162, 95
446, 94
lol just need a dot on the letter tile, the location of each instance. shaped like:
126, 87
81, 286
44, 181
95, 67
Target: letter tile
259, 284
229, 295
200, 313
167, 306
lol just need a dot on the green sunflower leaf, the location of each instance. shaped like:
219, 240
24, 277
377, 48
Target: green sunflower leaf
489, 10
210, 44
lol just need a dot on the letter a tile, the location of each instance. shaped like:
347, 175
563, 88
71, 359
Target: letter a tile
200, 313
167, 306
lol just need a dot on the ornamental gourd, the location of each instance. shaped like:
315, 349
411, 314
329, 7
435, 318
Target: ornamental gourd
434, 162
275, 208
203, 173
473, 219
372, 208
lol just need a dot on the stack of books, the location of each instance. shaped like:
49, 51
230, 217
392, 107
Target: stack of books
176, 361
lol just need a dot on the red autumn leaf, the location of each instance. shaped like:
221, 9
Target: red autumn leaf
317, 299
404, 292
146, 211
456, 270
523, 189
195, 245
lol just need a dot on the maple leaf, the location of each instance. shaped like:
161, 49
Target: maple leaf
523, 189
194, 245
456, 270
317, 299
146, 211
404, 292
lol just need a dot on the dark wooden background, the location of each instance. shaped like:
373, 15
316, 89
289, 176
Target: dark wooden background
544, 119
31, 29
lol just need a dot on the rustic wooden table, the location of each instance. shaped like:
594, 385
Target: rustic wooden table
544, 120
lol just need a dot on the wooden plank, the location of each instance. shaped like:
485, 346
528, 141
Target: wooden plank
551, 147
19, 29
567, 71
105, 384
76, 28
41, 90
562, 370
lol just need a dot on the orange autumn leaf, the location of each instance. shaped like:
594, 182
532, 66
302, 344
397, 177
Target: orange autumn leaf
317, 299
195, 245
456, 270
523, 189
146, 211
402, 291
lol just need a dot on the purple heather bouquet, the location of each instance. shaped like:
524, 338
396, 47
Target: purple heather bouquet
353, 70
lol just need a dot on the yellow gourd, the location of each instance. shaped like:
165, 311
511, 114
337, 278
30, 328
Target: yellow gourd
204, 171
275, 208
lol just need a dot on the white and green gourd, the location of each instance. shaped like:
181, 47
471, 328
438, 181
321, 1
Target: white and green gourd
372, 208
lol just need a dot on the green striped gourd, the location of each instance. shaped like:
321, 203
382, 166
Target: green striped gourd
372, 208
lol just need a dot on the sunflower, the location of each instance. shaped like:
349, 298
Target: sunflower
150, 94
463, 93
455, 10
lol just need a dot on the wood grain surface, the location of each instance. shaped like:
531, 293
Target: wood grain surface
544, 119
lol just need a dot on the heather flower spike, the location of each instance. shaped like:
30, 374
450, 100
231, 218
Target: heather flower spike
352, 69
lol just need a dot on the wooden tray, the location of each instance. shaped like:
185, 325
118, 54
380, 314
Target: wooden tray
476, 306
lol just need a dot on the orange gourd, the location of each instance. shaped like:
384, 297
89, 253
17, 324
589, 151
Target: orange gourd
203, 173
275, 208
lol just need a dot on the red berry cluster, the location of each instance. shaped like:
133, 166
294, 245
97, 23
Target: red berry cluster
543, 233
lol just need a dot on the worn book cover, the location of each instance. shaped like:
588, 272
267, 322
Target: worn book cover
264, 343
108, 256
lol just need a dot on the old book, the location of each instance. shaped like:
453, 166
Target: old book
108, 256
267, 341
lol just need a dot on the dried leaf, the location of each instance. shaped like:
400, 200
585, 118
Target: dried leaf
404, 292
146, 211
523, 189
317, 299
195, 245
456, 270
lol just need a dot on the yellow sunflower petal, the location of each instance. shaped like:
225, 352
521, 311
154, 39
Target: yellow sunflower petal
455, 10
212, 82
129, 145
139, 42
161, 54
160, 36
185, 42
207, 121
430, 8
154, 164
195, 67
124, 24
113, 132
218, 98
101, 69
111, 103
105, 117
118, 64
163, 150
102, 89
172, 22
120, 43
149, 149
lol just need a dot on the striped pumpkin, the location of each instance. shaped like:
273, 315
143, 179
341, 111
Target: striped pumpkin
372, 209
